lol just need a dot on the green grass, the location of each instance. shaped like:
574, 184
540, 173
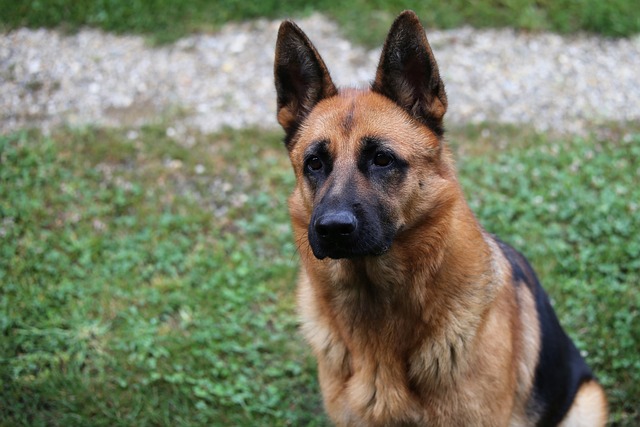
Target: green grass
364, 21
137, 291
149, 281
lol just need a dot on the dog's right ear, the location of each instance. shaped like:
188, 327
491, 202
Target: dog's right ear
301, 77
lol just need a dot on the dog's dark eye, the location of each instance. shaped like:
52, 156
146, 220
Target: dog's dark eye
314, 164
382, 159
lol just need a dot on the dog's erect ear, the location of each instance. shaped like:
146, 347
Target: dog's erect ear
302, 79
408, 73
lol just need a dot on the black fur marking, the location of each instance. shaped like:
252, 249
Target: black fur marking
318, 149
372, 232
347, 123
394, 173
290, 134
561, 369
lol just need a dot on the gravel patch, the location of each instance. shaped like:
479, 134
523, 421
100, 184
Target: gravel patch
211, 81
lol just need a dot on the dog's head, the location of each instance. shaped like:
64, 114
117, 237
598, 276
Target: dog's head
368, 163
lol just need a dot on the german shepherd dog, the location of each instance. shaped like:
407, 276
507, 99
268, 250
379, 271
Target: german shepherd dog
417, 316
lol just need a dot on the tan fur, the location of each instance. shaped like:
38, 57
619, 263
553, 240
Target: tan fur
433, 331
589, 407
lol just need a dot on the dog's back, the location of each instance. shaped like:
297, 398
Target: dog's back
561, 373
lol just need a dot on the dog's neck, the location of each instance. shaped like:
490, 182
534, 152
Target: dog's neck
366, 291
381, 320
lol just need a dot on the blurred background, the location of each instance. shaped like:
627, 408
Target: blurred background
147, 267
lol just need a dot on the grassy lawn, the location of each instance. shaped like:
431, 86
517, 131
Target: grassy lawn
364, 21
147, 280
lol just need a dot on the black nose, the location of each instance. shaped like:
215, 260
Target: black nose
336, 224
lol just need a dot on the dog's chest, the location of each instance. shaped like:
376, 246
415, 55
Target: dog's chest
366, 382
380, 393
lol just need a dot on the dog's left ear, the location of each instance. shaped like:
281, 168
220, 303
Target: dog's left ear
408, 72
301, 77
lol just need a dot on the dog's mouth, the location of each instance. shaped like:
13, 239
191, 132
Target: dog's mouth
337, 252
